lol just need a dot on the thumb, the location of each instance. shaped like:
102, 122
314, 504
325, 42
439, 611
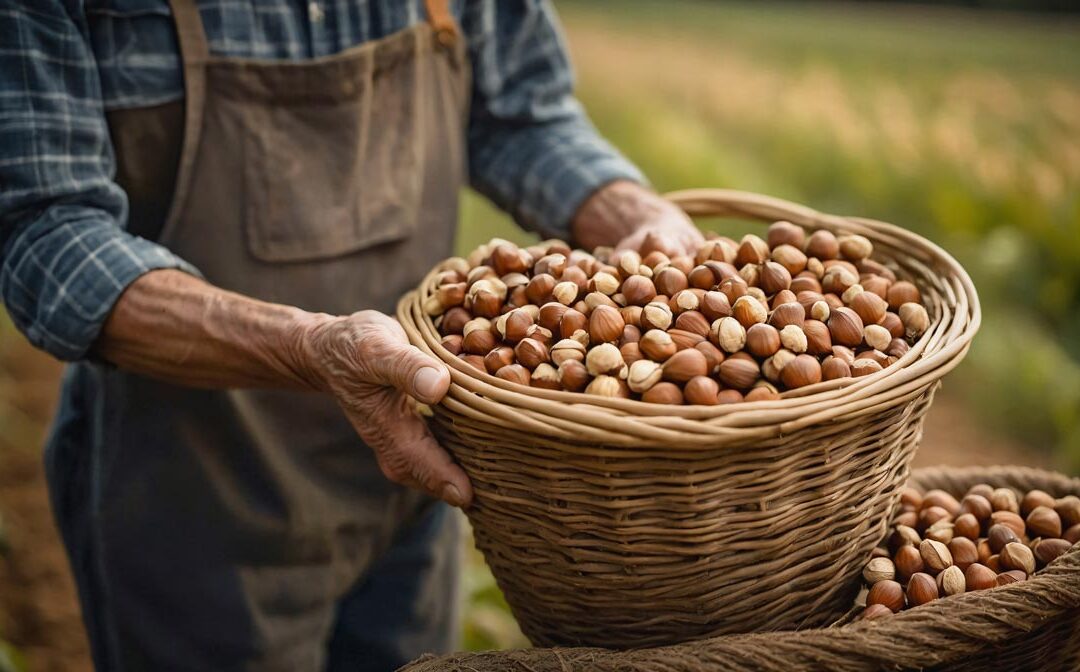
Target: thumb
404, 367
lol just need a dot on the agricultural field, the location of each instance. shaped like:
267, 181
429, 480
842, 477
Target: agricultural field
961, 125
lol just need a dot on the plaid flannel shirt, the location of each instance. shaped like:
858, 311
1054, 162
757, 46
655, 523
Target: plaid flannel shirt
64, 254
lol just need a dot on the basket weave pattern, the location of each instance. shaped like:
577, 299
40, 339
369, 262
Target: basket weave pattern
611, 522
1030, 626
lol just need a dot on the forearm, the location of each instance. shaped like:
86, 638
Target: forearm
175, 327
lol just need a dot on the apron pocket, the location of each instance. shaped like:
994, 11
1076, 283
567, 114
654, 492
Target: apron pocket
329, 177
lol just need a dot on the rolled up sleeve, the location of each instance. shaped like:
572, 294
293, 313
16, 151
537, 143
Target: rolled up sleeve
533, 150
64, 255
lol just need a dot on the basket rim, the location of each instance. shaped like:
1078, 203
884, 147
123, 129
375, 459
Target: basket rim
574, 416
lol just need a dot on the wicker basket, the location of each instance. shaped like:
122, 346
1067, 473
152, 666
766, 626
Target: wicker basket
1029, 626
616, 523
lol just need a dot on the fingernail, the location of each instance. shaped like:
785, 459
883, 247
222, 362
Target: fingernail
426, 383
451, 495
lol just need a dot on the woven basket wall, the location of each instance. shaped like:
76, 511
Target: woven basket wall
616, 523
1031, 626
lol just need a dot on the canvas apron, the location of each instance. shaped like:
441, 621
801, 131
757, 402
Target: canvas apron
221, 526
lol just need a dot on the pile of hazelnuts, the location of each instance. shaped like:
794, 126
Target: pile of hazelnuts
736, 321
941, 547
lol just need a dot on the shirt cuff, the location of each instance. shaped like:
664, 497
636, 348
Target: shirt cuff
60, 279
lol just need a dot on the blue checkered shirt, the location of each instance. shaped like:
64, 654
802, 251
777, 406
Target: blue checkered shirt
64, 254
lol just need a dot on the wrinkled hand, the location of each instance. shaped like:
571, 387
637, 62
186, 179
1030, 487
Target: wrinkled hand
627, 215
365, 360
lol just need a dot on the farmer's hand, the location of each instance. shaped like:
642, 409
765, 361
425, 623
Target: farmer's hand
367, 363
627, 215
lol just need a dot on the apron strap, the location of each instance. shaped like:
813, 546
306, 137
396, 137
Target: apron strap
194, 53
442, 21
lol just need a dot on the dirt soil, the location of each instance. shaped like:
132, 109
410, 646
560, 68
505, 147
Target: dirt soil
39, 611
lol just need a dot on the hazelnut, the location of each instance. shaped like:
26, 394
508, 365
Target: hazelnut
701, 277
531, 353
572, 321
713, 356
964, 551
454, 320
1000, 535
545, 376
714, 305
994, 563
663, 393
864, 367
1009, 519
1068, 508
1034, 499
981, 489
1043, 521
905, 535
684, 365
670, 281
877, 337
732, 288
940, 531
539, 289
739, 371
915, 319
942, 499
874, 611
889, 594
453, 343
728, 334
762, 340
1018, 556
833, 368
787, 314
479, 341
967, 525
604, 359
638, 290
656, 316
935, 555
772, 366
801, 371
627, 261
687, 299
822, 244
850, 293
876, 284
909, 518
1072, 535
475, 361
685, 339
921, 588
514, 373
1011, 576
984, 550
727, 396
879, 569
606, 386
700, 390
485, 303
855, 247
643, 374
845, 327
931, 514
508, 258
594, 299
818, 339
790, 257
951, 581
785, 233
902, 292
630, 334
513, 326
869, 306
820, 311
1047, 550
657, 345
793, 338
774, 277
694, 322
752, 250
910, 498
445, 297
748, 311
573, 376
605, 325
605, 283
762, 391
979, 577
567, 349
806, 281
551, 315
1004, 499
838, 280
631, 352
498, 358
456, 264
565, 293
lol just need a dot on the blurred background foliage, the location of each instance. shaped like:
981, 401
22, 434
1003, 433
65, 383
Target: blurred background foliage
961, 125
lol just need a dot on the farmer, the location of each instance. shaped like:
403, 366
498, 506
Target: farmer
211, 209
